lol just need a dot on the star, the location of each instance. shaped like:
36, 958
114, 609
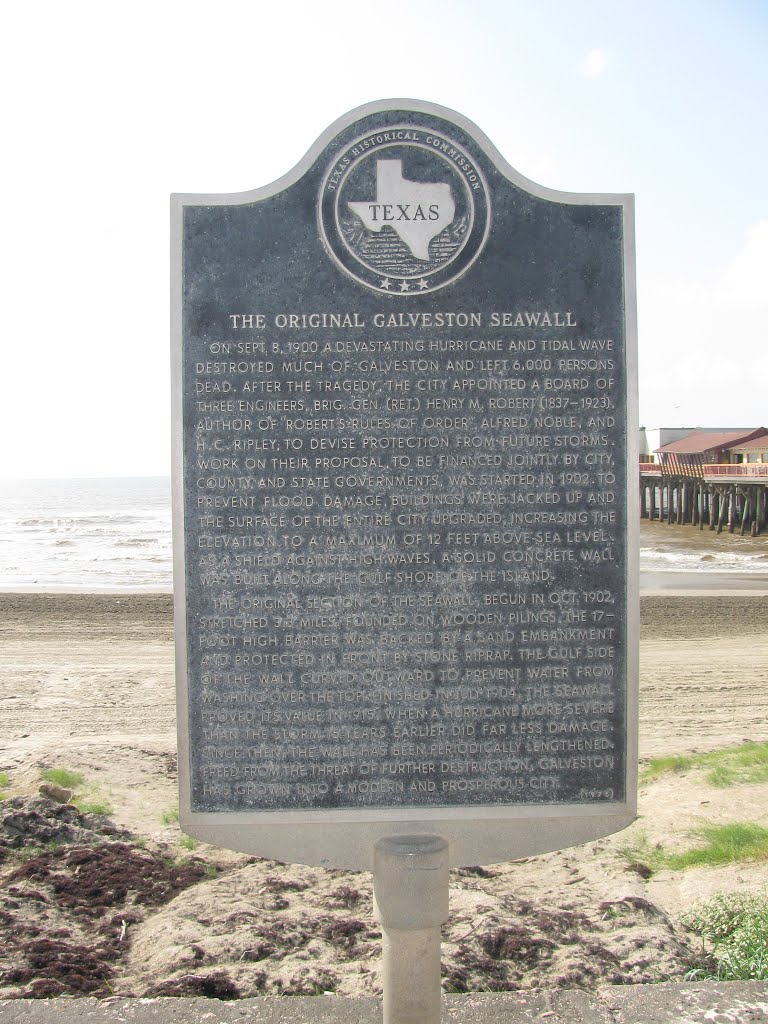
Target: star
404, 286
385, 284
423, 283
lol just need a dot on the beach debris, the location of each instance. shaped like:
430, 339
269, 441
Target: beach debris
84, 910
639, 869
215, 985
40, 822
71, 890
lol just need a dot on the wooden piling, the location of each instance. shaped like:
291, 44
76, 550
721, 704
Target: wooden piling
682, 500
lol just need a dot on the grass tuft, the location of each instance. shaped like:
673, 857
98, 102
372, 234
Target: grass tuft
26, 853
5, 782
746, 763
103, 807
736, 924
723, 844
90, 801
170, 816
641, 852
715, 845
63, 777
659, 766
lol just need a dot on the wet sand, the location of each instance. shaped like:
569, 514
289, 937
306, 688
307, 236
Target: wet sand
691, 583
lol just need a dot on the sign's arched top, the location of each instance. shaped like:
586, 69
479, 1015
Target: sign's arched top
404, 210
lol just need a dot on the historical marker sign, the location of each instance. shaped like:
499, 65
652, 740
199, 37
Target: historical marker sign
405, 467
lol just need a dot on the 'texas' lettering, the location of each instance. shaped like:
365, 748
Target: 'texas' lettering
401, 204
404, 211
408, 212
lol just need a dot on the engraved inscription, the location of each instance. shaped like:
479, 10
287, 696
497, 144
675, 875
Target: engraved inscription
406, 547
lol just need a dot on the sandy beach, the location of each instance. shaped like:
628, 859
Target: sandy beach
87, 683
86, 673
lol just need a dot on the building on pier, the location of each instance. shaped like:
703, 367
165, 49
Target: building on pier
654, 438
751, 452
711, 477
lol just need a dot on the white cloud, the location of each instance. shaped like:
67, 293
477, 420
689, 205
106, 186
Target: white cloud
594, 64
703, 343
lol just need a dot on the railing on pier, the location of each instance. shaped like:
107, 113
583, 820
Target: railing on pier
724, 495
711, 471
737, 469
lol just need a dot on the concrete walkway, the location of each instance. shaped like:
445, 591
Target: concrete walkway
693, 1003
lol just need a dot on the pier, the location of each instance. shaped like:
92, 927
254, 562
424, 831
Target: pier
728, 497
715, 478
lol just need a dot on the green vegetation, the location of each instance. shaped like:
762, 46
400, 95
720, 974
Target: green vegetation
747, 762
30, 852
723, 844
736, 925
88, 802
716, 845
170, 816
63, 777
190, 844
641, 852
103, 807
5, 781
658, 766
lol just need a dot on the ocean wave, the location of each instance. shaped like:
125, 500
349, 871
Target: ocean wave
87, 534
117, 534
664, 560
58, 519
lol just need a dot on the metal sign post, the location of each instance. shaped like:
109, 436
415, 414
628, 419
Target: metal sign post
410, 891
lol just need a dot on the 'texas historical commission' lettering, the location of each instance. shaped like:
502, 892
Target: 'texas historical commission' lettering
404, 211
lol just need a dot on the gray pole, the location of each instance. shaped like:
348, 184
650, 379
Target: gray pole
410, 891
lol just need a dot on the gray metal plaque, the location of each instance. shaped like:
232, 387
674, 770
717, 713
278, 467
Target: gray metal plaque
405, 430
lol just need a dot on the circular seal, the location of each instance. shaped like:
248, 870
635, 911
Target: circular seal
404, 210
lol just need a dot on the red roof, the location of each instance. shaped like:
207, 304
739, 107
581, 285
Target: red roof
761, 441
701, 441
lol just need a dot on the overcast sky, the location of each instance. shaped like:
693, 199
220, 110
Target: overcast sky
110, 107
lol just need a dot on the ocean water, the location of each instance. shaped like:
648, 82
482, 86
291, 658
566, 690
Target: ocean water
676, 549
115, 534
89, 534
